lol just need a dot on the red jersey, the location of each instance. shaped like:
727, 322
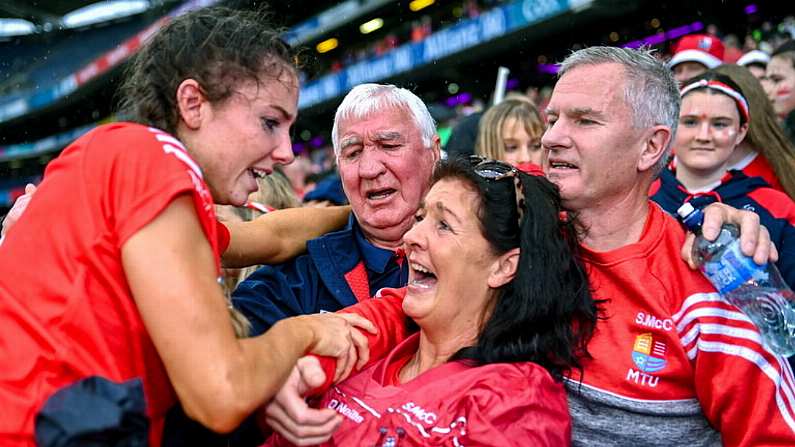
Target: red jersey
673, 363
753, 165
756, 165
505, 404
66, 310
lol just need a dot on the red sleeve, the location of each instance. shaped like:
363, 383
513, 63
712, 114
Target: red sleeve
745, 391
515, 405
386, 313
778, 204
223, 236
143, 171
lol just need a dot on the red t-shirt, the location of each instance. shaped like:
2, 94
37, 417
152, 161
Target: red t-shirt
756, 165
453, 404
66, 310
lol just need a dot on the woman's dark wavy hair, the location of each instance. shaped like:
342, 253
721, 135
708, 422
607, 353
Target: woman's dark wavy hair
217, 46
546, 313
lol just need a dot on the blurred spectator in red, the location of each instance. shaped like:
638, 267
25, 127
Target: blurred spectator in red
756, 62
695, 54
472, 9
732, 52
421, 29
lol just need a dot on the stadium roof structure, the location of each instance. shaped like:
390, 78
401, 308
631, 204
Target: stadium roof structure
31, 16
19, 18
40, 12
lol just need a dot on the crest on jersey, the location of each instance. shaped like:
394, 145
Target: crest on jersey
648, 353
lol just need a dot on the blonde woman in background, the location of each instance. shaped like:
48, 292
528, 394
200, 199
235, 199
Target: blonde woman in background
511, 131
275, 193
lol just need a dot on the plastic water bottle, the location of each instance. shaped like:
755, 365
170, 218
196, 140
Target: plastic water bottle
757, 290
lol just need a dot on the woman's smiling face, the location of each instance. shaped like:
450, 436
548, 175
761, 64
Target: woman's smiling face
451, 261
709, 130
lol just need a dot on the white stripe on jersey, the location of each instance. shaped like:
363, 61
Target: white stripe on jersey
366, 407
710, 312
721, 329
695, 299
782, 377
166, 138
174, 146
782, 388
185, 158
749, 334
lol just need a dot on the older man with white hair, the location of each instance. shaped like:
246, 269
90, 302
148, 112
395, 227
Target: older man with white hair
386, 146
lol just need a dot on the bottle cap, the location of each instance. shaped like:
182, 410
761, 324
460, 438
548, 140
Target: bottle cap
685, 210
691, 217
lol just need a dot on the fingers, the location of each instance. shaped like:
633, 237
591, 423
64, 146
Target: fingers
289, 414
362, 346
765, 248
773, 252
344, 364
359, 322
30, 188
350, 362
303, 432
311, 373
754, 238
687, 251
715, 215
751, 234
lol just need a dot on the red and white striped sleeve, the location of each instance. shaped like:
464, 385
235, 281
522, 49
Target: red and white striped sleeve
746, 392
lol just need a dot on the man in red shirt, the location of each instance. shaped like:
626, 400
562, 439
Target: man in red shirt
672, 362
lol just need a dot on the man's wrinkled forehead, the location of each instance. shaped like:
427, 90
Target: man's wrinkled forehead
378, 136
602, 83
389, 123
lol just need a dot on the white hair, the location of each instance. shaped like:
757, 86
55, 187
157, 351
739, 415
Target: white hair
366, 99
651, 91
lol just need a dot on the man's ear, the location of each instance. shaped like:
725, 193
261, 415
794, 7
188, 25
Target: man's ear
436, 147
190, 100
654, 147
504, 269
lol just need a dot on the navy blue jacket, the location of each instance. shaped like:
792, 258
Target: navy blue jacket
775, 209
315, 281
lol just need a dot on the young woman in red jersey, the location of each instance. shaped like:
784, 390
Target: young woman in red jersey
110, 306
713, 122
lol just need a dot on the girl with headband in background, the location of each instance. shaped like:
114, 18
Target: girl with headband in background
713, 121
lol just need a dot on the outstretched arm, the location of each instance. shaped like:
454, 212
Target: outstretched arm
290, 415
218, 378
279, 235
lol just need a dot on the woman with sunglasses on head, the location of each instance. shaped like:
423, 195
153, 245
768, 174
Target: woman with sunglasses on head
111, 311
504, 313
713, 121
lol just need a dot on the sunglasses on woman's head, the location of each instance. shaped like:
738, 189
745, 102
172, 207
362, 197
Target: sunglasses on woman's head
495, 170
491, 169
